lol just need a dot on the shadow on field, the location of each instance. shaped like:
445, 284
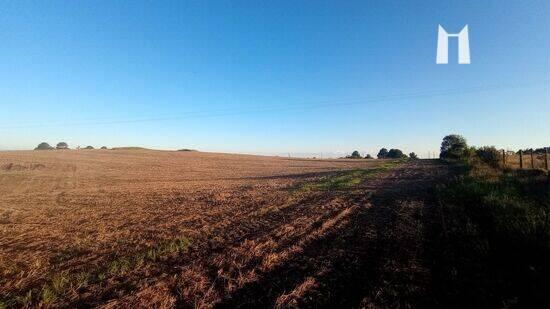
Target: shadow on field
372, 258
360, 246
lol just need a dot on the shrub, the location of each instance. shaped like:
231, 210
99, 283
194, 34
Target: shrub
469, 152
542, 150
413, 155
89, 147
368, 156
489, 155
103, 147
43, 146
493, 242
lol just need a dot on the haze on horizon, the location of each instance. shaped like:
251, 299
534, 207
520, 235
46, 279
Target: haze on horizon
275, 78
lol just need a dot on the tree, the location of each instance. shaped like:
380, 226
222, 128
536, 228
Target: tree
382, 154
413, 155
453, 147
355, 155
368, 156
396, 154
62, 145
43, 146
103, 147
89, 147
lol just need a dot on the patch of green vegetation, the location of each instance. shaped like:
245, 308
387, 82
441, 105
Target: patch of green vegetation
26, 299
61, 283
341, 181
491, 247
81, 280
48, 295
124, 265
345, 180
58, 285
66, 254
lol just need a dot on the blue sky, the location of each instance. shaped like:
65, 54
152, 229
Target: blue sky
272, 77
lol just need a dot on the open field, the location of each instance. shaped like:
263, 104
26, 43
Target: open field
118, 228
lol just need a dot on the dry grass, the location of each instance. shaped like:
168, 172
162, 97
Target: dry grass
112, 227
512, 161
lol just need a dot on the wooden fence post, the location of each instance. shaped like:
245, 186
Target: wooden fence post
546, 158
503, 158
521, 159
532, 160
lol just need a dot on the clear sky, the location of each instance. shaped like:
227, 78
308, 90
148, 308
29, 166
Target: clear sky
272, 77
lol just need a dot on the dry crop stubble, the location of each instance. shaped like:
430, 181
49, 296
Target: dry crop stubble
87, 226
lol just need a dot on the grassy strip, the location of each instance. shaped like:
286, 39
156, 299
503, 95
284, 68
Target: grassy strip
344, 180
62, 283
491, 246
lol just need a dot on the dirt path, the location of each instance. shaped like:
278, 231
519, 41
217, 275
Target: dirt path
361, 247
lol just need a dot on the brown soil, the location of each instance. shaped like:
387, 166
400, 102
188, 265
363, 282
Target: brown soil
122, 228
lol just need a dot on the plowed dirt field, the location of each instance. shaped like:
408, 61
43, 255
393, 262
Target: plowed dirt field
127, 228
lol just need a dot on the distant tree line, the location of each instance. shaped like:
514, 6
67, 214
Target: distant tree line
354, 155
390, 154
60, 146
383, 154
455, 147
534, 151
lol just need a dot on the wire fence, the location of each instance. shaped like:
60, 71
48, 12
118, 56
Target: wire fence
525, 159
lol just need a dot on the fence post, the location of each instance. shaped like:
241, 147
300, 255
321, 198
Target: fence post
503, 158
521, 159
546, 158
532, 160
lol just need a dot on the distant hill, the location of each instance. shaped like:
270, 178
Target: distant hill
130, 148
143, 148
